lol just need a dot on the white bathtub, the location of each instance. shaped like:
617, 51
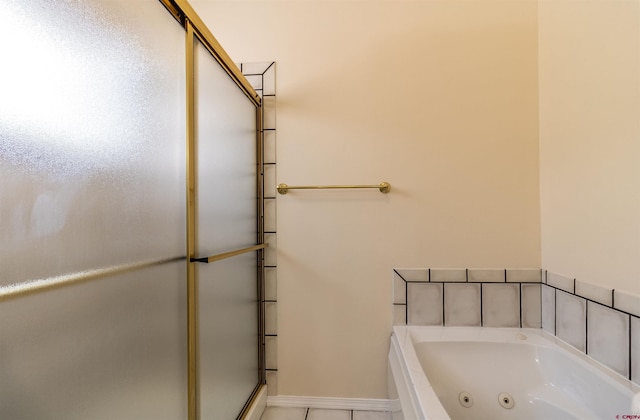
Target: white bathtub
500, 373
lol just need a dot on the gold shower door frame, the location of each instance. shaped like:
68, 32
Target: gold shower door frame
196, 30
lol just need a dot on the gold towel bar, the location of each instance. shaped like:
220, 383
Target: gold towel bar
384, 187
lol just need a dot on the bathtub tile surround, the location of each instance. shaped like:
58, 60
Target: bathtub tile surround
609, 320
262, 77
601, 322
635, 349
413, 274
595, 293
399, 289
560, 282
531, 304
605, 326
486, 275
571, 317
548, 306
467, 297
462, 304
523, 275
447, 275
627, 302
501, 305
425, 303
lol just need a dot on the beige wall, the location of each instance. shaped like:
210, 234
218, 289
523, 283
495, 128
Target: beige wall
589, 61
439, 98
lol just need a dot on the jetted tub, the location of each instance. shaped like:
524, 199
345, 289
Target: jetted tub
500, 373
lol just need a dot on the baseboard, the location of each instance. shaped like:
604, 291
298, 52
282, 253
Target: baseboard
359, 404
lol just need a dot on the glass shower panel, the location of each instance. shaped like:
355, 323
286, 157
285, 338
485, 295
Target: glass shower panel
92, 136
113, 348
227, 220
226, 160
228, 329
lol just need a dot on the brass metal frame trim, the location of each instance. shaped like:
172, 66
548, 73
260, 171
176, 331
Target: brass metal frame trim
229, 254
196, 30
192, 292
182, 11
384, 187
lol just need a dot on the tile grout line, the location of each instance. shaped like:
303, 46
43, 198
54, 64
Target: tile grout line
520, 295
586, 326
630, 349
406, 301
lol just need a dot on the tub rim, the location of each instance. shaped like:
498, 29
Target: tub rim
421, 401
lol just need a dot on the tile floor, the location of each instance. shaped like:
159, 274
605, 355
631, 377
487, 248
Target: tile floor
289, 413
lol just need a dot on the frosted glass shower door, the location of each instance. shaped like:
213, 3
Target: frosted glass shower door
226, 215
92, 187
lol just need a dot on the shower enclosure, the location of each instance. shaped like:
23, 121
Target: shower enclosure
131, 239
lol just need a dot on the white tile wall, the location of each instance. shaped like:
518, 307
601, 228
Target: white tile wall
262, 78
462, 304
272, 382
559, 281
270, 215
548, 309
448, 274
528, 275
399, 314
414, 274
635, 349
270, 181
255, 81
271, 251
500, 305
608, 338
269, 112
424, 303
269, 81
505, 305
594, 292
486, 275
399, 289
271, 283
531, 305
271, 350
255, 68
627, 302
269, 146
271, 318
571, 316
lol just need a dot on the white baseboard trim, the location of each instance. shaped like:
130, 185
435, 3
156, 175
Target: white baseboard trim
359, 404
